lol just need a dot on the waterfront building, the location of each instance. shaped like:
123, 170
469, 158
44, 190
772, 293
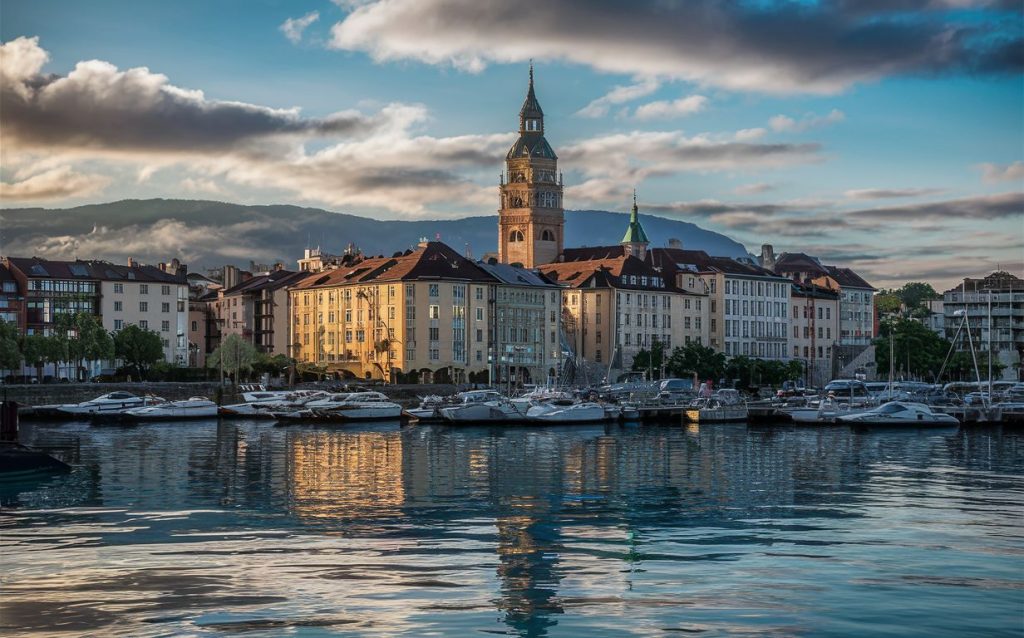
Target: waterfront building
257, 309
994, 306
428, 314
151, 297
531, 223
11, 299
935, 320
203, 319
814, 330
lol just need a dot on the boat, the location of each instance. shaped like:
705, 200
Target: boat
824, 412
109, 403
266, 406
345, 406
481, 406
566, 411
896, 413
191, 408
724, 406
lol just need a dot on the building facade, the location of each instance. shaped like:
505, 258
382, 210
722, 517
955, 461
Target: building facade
258, 310
994, 308
531, 222
814, 331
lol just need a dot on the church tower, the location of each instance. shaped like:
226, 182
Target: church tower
635, 240
531, 223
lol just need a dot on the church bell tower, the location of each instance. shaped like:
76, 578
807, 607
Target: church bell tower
531, 223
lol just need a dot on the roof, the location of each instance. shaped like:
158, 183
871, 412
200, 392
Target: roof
5, 274
798, 262
635, 232
846, 278
269, 281
531, 145
998, 280
37, 268
515, 275
813, 291
606, 273
431, 260
531, 107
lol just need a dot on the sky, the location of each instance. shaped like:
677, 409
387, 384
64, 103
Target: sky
884, 135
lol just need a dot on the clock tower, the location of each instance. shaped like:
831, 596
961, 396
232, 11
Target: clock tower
531, 223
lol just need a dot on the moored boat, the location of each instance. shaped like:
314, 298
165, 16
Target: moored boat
109, 403
900, 413
725, 406
566, 411
344, 407
191, 408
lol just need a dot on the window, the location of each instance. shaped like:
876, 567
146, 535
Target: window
195, 326
434, 292
118, 306
434, 333
410, 353
479, 293
479, 336
118, 288
516, 235
143, 306
435, 354
435, 312
479, 314
143, 289
165, 307
144, 324
165, 290
165, 326
118, 324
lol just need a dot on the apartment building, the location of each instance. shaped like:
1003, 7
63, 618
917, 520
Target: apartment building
258, 309
994, 307
11, 298
814, 330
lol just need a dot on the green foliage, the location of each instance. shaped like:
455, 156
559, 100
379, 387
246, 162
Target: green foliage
696, 358
235, 354
10, 350
961, 367
138, 348
651, 359
887, 303
39, 350
750, 372
917, 351
915, 293
276, 365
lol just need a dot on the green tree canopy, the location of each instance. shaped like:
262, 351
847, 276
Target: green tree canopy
917, 351
138, 348
39, 350
651, 359
696, 358
236, 355
915, 293
10, 350
887, 303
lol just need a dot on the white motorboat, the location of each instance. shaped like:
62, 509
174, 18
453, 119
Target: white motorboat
429, 409
346, 406
825, 411
481, 406
110, 403
192, 408
897, 413
538, 396
265, 407
566, 411
724, 406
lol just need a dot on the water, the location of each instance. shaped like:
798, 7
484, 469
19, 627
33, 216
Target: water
245, 529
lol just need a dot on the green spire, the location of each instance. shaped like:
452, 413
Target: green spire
635, 232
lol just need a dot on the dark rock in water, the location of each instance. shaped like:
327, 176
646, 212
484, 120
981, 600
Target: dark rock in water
18, 459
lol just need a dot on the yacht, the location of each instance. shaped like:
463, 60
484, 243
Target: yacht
825, 411
429, 409
566, 411
265, 406
345, 406
192, 408
110, 403
724, 406
897, 413
481, 406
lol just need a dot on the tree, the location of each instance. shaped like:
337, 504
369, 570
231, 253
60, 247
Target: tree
39, 350
91, 342
138, 348
10, 351
651, 359
915, 293
917, 350
694, 358
235, 354
887, 303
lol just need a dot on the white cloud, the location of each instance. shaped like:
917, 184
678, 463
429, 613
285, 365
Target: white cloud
619, 95
890, 193
663, 109
56, 183
993, 173
292, 28
201, 185
753, 189
786, 124
749, 134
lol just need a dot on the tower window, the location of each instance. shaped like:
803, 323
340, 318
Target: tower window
547, 235
516, 235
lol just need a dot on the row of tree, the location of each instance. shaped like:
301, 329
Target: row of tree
908, 300
707, 363
75, 339
918, 353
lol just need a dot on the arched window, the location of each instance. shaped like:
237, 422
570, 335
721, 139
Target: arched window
547, 235
516, 235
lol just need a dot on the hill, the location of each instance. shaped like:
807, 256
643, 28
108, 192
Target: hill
207, 234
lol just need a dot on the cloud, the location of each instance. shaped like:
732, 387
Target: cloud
890, 193
752, 46
749, 134
98, 107
993, 173
201, 185
292, 28
619, 95
984, 207
56, 183
753, 189
668, 109
786, 124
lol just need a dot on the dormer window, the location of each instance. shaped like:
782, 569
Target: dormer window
532, 125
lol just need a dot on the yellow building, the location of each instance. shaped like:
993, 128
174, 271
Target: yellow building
428, 311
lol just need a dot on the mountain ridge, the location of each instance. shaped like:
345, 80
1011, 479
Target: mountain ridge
208, 233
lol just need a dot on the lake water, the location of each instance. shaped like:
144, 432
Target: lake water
239, 528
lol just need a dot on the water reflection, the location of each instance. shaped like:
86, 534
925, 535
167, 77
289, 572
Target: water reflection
379, 530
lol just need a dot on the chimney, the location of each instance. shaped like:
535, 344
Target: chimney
132, 263
675, 243
767, 256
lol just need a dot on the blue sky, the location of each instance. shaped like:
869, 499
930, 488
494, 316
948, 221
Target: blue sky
890, 139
